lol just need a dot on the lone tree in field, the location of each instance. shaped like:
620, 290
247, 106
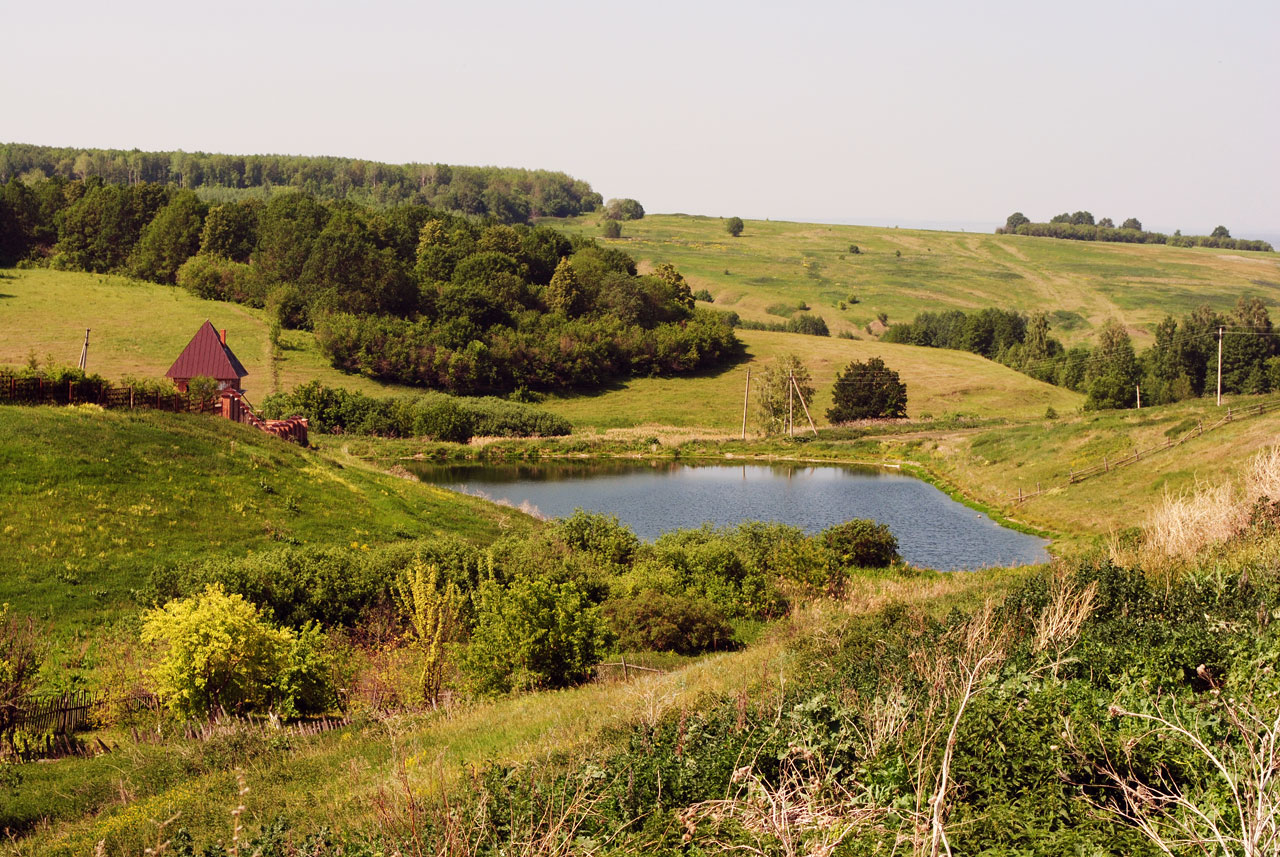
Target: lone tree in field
866, 391
734, 226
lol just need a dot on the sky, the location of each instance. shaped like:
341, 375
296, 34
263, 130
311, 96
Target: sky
941, 114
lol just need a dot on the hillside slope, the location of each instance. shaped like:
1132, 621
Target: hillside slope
778, 262
140, 328
939, 382
94, 500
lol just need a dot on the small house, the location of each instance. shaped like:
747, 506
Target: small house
207, 355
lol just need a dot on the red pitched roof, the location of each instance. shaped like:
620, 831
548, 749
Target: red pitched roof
206, 355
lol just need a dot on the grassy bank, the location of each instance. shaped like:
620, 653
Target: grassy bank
351, 780
96, 499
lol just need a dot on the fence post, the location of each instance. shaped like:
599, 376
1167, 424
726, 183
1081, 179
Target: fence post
1105, 466
131, 397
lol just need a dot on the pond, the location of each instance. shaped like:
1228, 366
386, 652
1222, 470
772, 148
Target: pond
933, 531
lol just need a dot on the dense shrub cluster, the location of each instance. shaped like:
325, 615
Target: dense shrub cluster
668, 623
541, 610
435, 415
806, 323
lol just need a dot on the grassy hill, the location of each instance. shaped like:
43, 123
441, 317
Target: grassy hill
783, 263
95, 499
939, 383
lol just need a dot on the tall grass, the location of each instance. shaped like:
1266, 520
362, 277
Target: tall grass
1185, 524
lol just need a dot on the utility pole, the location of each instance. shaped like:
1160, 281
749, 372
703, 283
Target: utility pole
1219, 367
746, 395
84, 352
791, 402
796, 386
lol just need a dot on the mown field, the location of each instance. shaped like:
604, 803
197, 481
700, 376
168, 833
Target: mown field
939, 383
1080, 284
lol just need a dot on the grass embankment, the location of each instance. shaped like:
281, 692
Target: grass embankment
349, 780
993, 464
94, 500
779, 262
939, 382
140, 328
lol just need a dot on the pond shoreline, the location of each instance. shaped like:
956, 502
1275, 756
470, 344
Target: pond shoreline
829, 492
911, 468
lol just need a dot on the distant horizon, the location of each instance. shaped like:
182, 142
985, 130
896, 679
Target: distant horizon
1269, 234
956, 115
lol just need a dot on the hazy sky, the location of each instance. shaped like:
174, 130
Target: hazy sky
912, 112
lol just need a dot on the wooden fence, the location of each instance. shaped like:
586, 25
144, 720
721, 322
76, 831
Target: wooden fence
1107, 464
59, 714
229, 403
38, 391
622, 669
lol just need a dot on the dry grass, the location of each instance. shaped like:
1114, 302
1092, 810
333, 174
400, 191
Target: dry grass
1183, 525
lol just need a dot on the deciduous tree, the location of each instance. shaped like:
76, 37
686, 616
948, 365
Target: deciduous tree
867, 390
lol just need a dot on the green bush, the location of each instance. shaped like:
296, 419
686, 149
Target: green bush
656, 622
611, 229
860, 544
812, 325
216, 279
220, 652
533, 633
602, 536
708, 564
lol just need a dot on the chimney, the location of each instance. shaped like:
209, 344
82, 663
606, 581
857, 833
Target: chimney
224, 336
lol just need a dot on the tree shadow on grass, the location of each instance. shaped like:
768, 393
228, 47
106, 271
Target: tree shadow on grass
613, 385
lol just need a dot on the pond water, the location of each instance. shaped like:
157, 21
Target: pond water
652, 498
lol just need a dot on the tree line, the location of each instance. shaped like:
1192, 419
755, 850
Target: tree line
507, 194
1081, 226
1180, 364
409, 294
